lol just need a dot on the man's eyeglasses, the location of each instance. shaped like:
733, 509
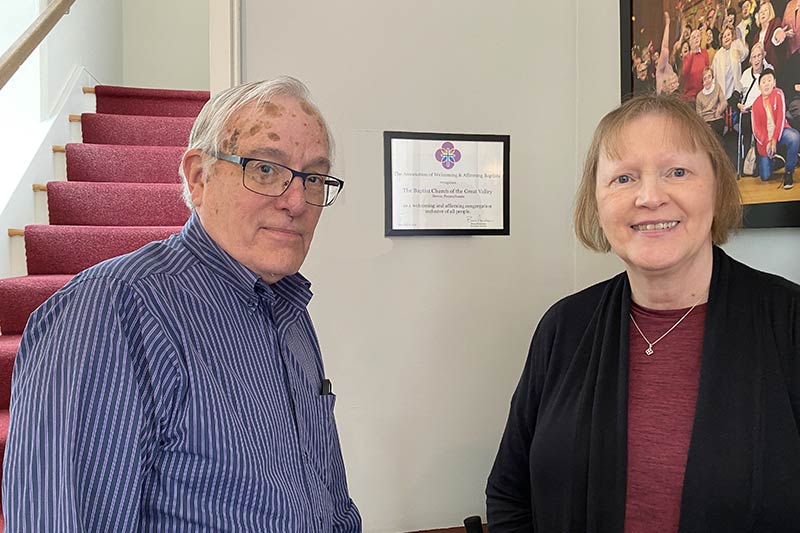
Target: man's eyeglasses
272, 179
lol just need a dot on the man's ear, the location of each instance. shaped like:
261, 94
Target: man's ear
192, 165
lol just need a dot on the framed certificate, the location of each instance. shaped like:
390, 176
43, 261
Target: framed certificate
446, 183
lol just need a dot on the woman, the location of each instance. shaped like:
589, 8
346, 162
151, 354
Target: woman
727, 62
668, 397
666, 79
692, 67
770, 34
771, 129
686, 30
710, 44
749, 79
711, 103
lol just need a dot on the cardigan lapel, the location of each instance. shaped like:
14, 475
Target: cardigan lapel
602, 417
718, 490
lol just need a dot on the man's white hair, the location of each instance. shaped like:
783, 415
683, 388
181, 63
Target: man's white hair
209, 127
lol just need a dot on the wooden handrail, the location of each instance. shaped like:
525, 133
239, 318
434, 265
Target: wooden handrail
33, 36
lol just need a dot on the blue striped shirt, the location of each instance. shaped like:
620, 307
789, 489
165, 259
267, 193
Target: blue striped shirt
173, 390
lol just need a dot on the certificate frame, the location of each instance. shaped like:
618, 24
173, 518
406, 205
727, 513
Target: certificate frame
394, 205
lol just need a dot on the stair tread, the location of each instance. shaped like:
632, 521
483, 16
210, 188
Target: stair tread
183, 94
99, 230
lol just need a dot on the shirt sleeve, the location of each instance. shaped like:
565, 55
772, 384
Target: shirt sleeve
740, 49
346, 518
82, 421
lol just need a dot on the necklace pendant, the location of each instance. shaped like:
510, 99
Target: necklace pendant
649, 350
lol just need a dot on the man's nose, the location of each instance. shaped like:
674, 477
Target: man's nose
294, 197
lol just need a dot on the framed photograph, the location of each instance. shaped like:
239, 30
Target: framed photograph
665, 47
446, 183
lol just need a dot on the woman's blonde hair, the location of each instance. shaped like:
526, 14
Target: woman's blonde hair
771, 12
696, 135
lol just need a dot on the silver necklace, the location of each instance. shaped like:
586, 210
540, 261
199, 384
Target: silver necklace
649, 350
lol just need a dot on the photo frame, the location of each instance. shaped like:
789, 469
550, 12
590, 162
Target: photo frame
642, 24
446, 184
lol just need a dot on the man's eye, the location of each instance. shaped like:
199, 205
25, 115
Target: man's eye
265, 169
314, 180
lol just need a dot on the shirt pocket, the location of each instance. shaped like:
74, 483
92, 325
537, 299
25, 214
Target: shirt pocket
319, 434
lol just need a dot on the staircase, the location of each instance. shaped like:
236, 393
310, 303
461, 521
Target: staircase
122, 191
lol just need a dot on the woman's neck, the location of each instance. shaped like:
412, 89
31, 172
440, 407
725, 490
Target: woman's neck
678, 288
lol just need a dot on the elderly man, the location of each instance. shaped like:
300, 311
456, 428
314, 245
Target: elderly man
180, 387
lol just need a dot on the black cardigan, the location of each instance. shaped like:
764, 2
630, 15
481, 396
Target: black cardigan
562, 460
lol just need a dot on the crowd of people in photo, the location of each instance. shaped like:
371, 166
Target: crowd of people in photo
739, 64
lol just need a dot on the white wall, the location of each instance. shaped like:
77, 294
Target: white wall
424, 338
165, 44
89, 37
19, 97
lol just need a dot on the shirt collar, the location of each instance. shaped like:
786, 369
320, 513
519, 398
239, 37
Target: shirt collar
295, 289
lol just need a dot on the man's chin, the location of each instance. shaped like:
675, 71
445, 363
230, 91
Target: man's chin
275, 271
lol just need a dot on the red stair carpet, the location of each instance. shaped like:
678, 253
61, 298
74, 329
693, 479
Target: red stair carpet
122, 191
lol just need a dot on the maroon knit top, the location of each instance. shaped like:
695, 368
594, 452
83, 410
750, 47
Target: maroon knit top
662, 392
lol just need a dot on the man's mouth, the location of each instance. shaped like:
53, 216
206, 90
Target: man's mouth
655, 226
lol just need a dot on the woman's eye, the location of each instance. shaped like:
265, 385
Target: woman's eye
622, 179
679, 172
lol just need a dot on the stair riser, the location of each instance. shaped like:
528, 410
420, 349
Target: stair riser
123, 164
99, 204
135, 130
19, 296
8, 353
149, 106
71, 249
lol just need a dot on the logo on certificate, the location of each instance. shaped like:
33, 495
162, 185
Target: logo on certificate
448, 155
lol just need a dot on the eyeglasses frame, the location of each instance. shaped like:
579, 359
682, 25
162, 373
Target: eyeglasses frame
243, 161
